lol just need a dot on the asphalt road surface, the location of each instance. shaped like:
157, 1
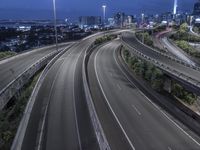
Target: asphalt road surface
12, 67
130, 39
60, 119
142, 124
177, 52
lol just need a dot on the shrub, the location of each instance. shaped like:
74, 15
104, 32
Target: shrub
6, 54
147, 38
188, 48
183, 94
156, 78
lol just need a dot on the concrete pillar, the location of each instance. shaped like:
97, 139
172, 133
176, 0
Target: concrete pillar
168, 85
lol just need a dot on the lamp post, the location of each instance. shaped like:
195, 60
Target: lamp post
143, 27
55, 24
104, 14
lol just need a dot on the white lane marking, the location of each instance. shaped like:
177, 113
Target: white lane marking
169, 148
46, 108
62, 58
156, 105
23, 54
45, 114
176, 52
95, 66
74, 105
119, 87
139, 113
172, 121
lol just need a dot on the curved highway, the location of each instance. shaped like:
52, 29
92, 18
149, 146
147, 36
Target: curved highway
176, 51
193, 33
161, 41
126, 114
130, 40
60, 118
12, 67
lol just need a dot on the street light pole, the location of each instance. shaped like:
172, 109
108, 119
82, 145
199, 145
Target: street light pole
55, 24
143, 27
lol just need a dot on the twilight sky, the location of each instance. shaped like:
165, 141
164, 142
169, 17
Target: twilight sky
41, 9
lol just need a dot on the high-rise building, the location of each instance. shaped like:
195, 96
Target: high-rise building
121, 19
196, 10
89, 20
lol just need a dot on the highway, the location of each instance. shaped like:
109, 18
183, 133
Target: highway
60, 117
129, 38
161, 41
157, 40
129, 119
12, 67
176, 51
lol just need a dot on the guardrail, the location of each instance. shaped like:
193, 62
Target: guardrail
19, 137
164, 67
175, 107
170, 57
102, 140
103, 143
11, 89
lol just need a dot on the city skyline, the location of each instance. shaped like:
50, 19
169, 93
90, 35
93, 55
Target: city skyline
71, 9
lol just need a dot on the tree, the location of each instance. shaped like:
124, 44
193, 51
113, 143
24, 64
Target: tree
183, 28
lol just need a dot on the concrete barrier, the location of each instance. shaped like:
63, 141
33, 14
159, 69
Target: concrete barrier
185, 115
170, 57
101, 138
9, 91
14, 86
167, 69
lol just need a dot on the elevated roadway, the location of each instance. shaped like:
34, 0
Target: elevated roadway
130, 120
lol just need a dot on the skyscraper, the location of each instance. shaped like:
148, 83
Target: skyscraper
89, 20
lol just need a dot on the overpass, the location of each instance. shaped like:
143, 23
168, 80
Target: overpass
17, 70
129, 119
188, 75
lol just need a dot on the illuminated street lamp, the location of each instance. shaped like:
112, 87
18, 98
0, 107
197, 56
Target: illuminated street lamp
55, 24
142, 18
143, 27
104, 13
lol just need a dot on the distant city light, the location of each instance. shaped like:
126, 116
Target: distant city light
104, 6
142, 17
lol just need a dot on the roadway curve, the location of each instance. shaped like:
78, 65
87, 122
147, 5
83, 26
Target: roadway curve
193, 33
60, 117
130, 39
162, 41
127, 115
176, 51
12, 67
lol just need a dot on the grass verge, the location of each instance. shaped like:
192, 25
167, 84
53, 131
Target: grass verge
6, 54
156, 78
10, 116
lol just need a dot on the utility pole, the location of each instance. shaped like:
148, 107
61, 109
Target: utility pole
143, 27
